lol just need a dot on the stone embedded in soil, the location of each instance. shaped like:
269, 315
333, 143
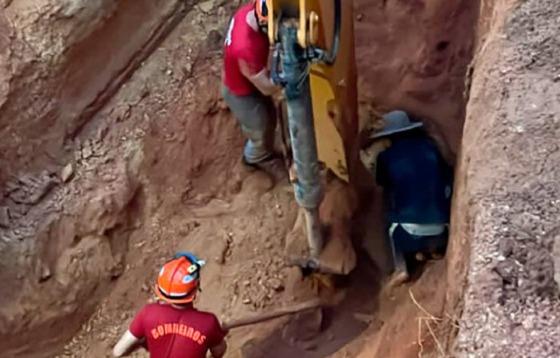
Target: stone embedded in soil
109, 177
118, 268
67, 173
207, 6
276, 284
45, 273
87, 151
278, 210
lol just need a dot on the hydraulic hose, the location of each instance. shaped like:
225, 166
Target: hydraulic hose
321, 55
331, 56
290, 68
307, 188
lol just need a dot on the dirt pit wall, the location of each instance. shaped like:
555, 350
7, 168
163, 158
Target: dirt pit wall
507, 208
59, 63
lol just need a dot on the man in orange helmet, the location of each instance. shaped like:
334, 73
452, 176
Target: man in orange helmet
173, 328
246, 84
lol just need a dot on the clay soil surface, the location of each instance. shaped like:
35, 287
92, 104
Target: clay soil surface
157, 170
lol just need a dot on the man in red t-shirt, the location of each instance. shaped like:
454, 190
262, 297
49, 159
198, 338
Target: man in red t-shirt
246, 85
173, 328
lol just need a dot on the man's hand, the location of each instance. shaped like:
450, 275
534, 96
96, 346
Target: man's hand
259, 79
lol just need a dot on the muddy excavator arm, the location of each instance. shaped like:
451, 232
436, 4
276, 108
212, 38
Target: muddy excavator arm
313, 60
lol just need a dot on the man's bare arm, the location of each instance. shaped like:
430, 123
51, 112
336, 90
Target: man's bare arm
126, 344
261, 79
219, 350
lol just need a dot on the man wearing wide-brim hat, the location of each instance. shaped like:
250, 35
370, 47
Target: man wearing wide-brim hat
417, 184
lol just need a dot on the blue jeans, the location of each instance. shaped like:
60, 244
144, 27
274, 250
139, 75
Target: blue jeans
257, 117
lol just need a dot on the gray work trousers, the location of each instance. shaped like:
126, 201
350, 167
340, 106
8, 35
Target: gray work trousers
257, 117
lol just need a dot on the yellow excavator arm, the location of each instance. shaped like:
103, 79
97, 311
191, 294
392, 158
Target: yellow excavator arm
332, 85
313, 59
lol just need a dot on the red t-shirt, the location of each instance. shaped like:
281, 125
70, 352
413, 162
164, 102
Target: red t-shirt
243, 42
176, 333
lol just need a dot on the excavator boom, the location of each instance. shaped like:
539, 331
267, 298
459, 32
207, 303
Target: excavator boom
327, 26
313, 59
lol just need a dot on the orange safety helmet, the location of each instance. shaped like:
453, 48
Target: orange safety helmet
261, 8
179, 279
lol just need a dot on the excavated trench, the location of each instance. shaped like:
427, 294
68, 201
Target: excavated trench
117, 151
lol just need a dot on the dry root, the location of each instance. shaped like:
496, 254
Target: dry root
426, 321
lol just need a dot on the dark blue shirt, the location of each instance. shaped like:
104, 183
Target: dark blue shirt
416, 181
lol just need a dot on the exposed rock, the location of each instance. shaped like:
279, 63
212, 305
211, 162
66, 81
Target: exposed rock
207, 6
118, 267
87, 151
45, 272
29, 190
276, 284
67, 173
99, 212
